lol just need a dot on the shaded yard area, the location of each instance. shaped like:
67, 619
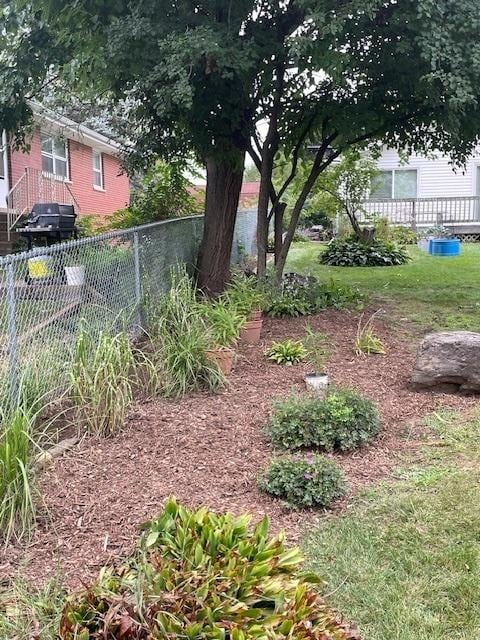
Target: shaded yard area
433, 292
209, 449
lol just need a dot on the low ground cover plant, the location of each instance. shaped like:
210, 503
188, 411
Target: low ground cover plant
287, 352
351, 252
343, 420
311, 481
299, 295
197, 574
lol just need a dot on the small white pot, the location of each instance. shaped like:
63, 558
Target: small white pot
318, 382
75, 275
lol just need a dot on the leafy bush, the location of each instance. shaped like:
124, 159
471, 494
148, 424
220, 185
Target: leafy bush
299, 295
288, 352
313, 481
350, 252
180, 339
342, 420
403, 236
89, 225
198, 575
164, 193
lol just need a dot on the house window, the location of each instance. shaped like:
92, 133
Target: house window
397, 183
97, 170
55, 156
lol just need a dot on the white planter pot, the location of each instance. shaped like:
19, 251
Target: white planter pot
318, 382
75, 275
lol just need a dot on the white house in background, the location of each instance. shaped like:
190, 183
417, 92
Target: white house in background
423, 192
425, 177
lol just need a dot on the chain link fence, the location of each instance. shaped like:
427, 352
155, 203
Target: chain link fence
46, 293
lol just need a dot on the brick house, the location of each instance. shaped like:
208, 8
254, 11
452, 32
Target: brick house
66, 163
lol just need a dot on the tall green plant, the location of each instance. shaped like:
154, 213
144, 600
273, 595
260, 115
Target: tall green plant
180, 340
102, 380
18, 487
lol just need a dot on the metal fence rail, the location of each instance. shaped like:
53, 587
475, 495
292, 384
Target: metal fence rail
46, 293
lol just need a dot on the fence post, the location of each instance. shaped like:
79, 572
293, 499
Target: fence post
138, 285
414, 217
12, 334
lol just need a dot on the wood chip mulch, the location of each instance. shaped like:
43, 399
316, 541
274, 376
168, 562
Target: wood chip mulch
209, 449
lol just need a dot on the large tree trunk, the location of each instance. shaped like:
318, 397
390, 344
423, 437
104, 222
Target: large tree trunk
278, 226
224, 182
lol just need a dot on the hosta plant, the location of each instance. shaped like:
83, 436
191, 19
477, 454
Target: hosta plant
313, 481
287, 352
342, 420
201, 576
351, 252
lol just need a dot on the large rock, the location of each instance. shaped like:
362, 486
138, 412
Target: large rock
450, 359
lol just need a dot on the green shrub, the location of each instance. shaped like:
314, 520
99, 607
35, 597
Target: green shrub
201, 576
313, 481
287, 352
342, 420
180, 339
164, 193
299, 295
350, 252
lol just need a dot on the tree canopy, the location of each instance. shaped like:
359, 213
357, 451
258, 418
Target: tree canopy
219, 78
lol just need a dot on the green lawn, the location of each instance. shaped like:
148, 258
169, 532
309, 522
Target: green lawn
438, 293
404, 561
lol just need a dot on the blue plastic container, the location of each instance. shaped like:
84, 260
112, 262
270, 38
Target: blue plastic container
445, 247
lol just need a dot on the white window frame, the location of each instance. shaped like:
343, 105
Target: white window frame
393, 172
98, 171
54, 156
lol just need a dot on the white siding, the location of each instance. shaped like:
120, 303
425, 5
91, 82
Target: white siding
435, 176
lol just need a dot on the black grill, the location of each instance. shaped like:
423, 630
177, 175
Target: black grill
50, 222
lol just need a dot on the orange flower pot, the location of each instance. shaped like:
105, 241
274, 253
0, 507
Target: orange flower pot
251, 330
223, 358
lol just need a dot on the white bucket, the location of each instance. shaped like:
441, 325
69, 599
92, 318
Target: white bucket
317, 382
75, 275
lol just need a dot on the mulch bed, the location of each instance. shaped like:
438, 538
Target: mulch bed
209, 449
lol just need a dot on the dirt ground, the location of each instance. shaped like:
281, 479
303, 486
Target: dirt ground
209, 449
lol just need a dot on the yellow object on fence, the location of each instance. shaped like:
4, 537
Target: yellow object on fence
39, 267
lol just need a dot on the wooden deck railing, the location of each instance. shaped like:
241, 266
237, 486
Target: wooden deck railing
33, 186
421, 212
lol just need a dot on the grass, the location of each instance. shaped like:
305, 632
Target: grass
18, 489
28, 614
403, 562
434, 292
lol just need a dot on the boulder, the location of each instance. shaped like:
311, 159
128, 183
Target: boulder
448, 359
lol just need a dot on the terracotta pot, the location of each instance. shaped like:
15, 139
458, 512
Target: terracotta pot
256, 314
250, 331
223, 358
